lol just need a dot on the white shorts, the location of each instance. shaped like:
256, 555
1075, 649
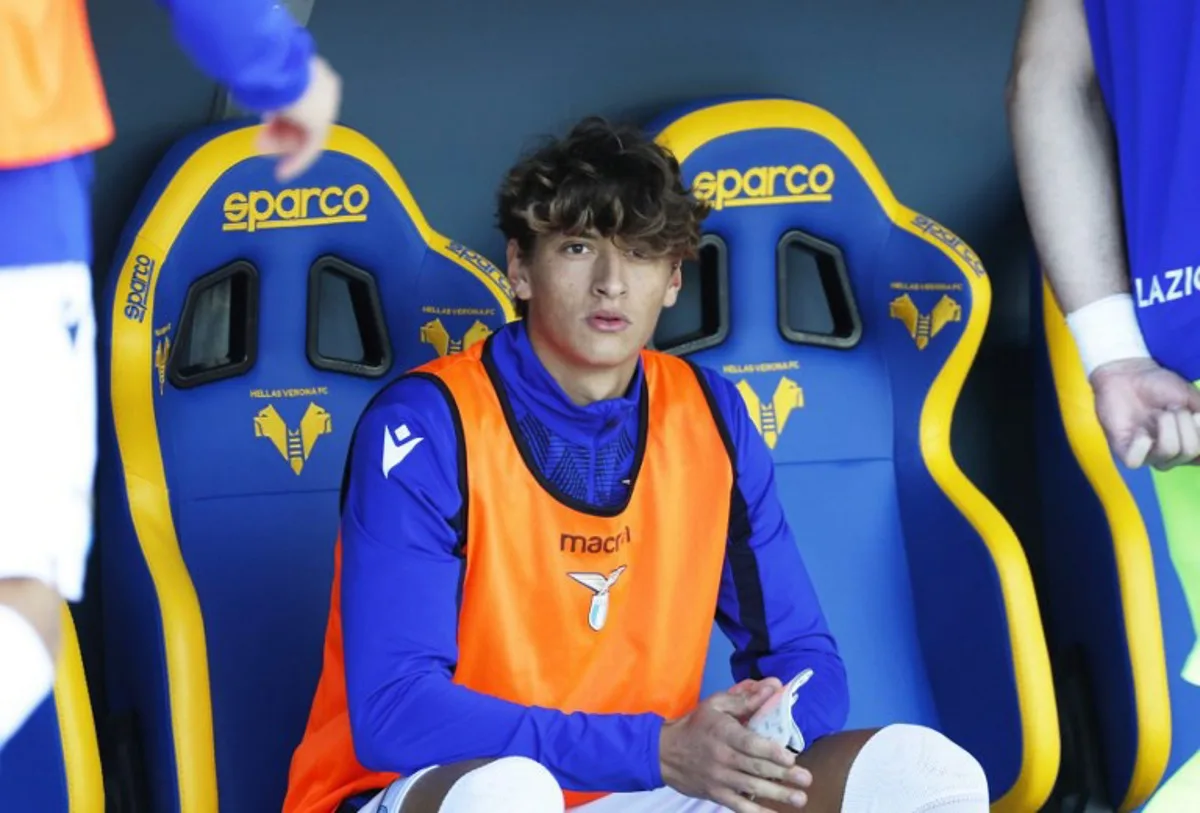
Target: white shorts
47, 424
662, 800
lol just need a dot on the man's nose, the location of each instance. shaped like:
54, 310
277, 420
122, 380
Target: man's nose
609, 279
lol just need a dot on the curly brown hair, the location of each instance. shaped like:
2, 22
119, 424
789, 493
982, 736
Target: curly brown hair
607, 181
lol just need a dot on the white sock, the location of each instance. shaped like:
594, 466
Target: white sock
509, 785
26, 672
506, 785
913, 769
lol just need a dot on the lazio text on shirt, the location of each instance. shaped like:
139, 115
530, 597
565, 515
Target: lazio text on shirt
1168, 286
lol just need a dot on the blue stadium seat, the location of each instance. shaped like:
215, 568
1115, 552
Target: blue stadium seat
244, 327
1117, 619
52, 765
850, 324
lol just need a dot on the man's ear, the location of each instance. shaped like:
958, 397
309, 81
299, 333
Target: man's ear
673, 284
518, 270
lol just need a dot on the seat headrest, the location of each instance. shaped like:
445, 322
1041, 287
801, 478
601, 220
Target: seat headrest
214, 202
290, 295
834, 286
757, 160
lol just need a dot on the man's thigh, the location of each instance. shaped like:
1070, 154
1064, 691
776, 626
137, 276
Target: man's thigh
47, 423
829, 759
663, 800
424, 791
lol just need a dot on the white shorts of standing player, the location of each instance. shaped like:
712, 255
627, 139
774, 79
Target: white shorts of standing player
47, 458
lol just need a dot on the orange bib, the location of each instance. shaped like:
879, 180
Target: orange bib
52, 102
564, 608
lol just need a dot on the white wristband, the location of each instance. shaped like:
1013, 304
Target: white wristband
1107, 330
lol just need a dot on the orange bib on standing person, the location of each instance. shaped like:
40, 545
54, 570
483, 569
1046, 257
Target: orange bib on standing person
563, 608
52, 102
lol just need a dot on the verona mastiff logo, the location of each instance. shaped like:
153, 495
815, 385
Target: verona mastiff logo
435, 334
295, 445
922, 327
296, 208
771, 410
770, 416
765, 186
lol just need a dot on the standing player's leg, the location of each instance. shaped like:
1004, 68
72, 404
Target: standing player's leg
1180, 793
1178, 493
47, 460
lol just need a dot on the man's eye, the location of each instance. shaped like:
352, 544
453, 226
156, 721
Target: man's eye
575, 248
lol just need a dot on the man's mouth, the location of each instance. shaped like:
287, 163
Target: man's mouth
608, 321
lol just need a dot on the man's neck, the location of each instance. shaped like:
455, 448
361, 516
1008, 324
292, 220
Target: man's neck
583, 385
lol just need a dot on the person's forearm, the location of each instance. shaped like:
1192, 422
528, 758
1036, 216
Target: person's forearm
777, 626
425, 719
1067, 169
253, 47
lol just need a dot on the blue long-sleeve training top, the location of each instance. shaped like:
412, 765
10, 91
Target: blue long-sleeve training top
1145, 67
401, 575
253, 47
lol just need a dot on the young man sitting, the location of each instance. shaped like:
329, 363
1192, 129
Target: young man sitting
537, 534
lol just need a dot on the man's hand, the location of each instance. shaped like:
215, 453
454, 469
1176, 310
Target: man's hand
298, 132
1149, 414
710, 754
749, 688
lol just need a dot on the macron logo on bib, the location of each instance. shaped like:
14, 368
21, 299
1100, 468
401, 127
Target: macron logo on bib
396, 446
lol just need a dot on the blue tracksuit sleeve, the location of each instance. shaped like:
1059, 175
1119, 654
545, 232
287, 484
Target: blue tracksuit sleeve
767, 604
253, 47
401, 576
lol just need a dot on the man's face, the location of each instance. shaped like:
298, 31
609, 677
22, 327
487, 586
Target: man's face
594, 303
